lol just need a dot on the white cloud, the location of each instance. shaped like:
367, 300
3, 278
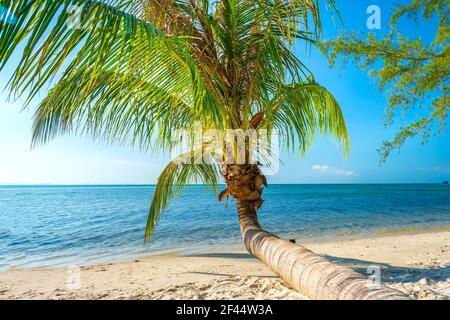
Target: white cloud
436, 169
318, 167
326, 169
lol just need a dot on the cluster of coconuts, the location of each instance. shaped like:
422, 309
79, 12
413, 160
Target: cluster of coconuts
244, 182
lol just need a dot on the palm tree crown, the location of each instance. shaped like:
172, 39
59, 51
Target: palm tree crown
133, 71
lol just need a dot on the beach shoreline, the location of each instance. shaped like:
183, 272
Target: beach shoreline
417, 263
235, 246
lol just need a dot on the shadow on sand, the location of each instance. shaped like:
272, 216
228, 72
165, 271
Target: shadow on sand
388, 272
230, 275
223, 255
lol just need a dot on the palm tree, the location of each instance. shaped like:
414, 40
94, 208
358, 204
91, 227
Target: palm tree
134, 71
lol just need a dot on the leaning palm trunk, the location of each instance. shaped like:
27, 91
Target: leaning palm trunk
300, 268
304, 270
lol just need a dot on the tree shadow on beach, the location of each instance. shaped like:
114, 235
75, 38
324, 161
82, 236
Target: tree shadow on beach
223, 255
388, 272
391, 273
231, 274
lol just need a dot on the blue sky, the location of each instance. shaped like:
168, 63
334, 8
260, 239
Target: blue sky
79, 160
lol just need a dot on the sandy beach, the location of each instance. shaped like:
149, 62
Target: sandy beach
417, 264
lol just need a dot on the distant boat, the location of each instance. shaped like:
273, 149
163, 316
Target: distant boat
445, 182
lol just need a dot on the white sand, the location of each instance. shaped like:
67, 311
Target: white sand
418, 264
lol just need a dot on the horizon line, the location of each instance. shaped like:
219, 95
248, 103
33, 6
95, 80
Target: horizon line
202, 184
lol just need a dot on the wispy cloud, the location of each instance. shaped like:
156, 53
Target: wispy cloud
440, 169
326, 169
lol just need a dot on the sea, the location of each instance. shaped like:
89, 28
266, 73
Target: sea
61, 226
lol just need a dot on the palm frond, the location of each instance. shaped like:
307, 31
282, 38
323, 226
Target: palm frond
179, 172
117, 76
301, 109
115, 107
105, 29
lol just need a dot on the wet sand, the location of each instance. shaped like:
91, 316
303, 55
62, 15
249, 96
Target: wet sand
417, 264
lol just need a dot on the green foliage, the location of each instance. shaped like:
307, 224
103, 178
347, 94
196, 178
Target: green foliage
177, 173
415, 74
319, 110
139, 70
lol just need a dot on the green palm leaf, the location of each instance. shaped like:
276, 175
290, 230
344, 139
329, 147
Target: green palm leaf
301, 109
107, 29
176, 174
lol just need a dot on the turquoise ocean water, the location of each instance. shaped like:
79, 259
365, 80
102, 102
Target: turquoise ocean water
66, 225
